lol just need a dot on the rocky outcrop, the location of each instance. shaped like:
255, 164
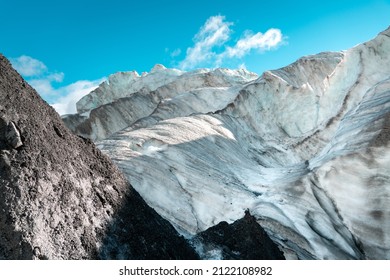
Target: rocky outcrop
244, 239
61, 198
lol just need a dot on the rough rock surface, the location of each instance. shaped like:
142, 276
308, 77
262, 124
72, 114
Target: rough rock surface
61, 198
244, 239
305, 148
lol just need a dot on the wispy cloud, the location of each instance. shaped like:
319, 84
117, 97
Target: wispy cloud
44, 86
62, 98
28, 66
216, 33
270, 39
38, 75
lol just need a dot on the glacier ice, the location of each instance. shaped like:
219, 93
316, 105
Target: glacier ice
305, 148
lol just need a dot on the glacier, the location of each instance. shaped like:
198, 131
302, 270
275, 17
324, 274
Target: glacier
305, 148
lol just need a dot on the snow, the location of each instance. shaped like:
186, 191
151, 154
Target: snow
123, 84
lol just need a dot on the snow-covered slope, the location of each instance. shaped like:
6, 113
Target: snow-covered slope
127, 97
305, 148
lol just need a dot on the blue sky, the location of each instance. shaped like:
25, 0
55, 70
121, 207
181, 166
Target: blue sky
66, 48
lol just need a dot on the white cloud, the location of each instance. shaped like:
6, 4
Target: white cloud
28, 66
72, 93
270, 39
56, 77
64, 98
216, 32
44, 85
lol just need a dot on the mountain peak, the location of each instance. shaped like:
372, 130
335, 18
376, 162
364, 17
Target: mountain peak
157, 68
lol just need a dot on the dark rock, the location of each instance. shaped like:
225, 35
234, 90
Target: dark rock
60, 197
244, 239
